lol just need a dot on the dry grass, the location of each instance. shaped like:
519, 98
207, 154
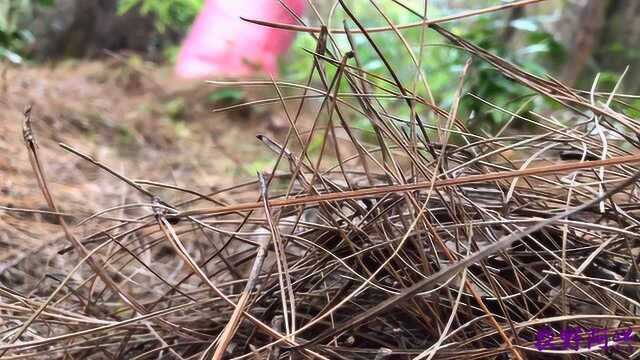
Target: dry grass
409, 246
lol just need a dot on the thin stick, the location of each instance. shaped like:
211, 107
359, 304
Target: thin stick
236, 317
381, 190
444, 19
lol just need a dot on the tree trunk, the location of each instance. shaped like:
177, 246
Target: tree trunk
620, 43
601, 36
580, 27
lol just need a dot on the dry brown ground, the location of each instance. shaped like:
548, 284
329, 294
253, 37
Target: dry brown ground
132, 116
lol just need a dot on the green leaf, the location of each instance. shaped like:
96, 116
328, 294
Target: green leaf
124, 6
10, 55
226, 96
46, 3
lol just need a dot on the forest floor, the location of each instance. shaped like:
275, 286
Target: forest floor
132, 116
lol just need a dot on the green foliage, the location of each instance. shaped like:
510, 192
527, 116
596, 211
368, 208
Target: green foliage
176, 15
633, 110
14, 38
226, 96
532, 47
170, 53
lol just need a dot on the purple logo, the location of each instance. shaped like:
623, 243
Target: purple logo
572, 338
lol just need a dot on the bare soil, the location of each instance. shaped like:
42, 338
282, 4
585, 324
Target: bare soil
134, 117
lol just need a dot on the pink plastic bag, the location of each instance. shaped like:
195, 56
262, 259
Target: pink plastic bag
221, 44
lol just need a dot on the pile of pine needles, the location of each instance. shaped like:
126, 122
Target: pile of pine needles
408, 246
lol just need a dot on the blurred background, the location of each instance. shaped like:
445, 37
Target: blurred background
603, 35
101, 75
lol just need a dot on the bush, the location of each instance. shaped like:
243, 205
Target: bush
441, 63
14, 37
176, 15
